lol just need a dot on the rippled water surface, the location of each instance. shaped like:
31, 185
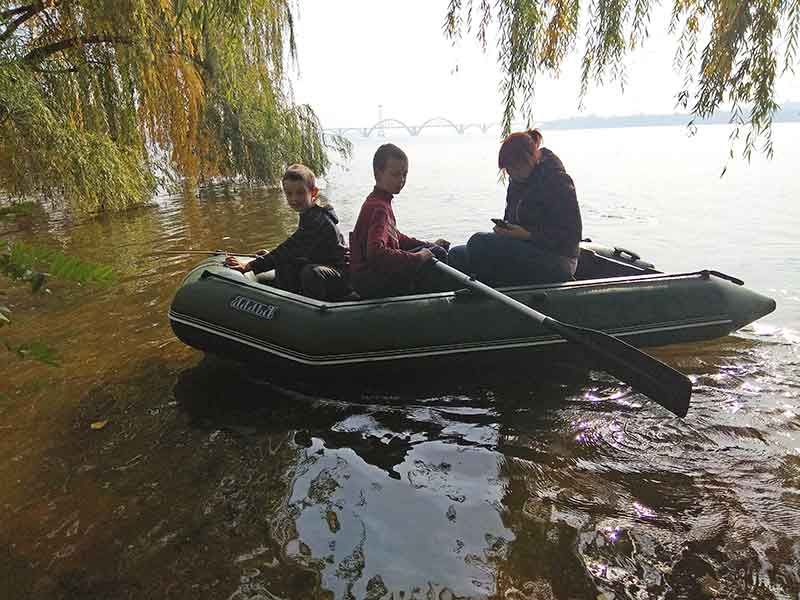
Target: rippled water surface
210, 481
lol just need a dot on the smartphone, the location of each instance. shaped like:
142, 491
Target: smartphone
502, 224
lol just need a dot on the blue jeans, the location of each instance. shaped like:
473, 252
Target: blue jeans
499, 260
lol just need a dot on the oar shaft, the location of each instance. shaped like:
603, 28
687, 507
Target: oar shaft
490, 291
203, 252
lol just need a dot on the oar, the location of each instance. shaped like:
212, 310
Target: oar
648, 375
204, 252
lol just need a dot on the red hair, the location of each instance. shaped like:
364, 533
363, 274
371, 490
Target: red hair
522, 146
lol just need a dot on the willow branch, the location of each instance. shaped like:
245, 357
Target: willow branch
55, 71
38, 54
29, 11
7, 14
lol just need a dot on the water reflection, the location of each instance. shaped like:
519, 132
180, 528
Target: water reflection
473, 492
389, 495
502, 487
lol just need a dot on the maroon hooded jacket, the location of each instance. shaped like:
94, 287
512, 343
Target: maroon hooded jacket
378, 251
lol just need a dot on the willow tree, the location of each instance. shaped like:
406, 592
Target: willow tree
729, 52
99, 97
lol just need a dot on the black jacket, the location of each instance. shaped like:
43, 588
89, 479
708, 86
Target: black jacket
546, 205
316, 241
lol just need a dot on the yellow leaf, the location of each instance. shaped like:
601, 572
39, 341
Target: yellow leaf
99, 424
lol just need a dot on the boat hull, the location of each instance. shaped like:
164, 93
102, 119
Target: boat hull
222, 312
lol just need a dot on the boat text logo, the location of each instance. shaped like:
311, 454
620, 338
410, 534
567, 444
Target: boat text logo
263, 311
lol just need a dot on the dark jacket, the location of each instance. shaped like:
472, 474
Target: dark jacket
546, 205
316, 241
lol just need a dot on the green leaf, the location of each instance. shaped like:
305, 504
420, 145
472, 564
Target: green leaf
180, 6
38, 351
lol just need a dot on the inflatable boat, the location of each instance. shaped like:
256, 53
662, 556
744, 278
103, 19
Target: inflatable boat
226, 313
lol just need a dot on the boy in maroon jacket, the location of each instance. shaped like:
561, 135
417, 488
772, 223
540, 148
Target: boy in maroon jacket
383, 261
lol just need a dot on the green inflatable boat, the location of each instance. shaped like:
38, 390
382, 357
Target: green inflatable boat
225, 313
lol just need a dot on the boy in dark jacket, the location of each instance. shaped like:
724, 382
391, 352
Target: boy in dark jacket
313, 260
384, 261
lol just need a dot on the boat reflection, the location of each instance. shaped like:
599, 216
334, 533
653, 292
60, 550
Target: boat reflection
401, 490
510, 485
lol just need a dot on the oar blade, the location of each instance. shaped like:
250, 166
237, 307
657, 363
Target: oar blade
657, 380
670, 388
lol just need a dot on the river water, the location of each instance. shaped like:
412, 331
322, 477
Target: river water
207, 481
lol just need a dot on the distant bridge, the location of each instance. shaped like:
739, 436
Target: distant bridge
415, 129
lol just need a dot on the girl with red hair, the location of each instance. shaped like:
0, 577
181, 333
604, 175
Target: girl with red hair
539, 241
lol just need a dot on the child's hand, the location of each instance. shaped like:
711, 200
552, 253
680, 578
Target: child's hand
513, 231
440, 252
426, 253
443, 243
234, 263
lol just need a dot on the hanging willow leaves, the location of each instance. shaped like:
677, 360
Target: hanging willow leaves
98, 95
728, 53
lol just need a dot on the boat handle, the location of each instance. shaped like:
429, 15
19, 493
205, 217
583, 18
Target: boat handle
619, 251
721, 275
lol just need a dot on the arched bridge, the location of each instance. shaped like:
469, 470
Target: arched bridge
435, 122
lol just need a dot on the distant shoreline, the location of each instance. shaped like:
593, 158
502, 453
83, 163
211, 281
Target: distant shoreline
790, 112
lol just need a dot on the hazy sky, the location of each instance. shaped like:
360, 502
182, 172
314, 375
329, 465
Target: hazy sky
357, 54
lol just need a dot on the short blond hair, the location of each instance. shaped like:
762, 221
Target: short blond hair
299, 172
